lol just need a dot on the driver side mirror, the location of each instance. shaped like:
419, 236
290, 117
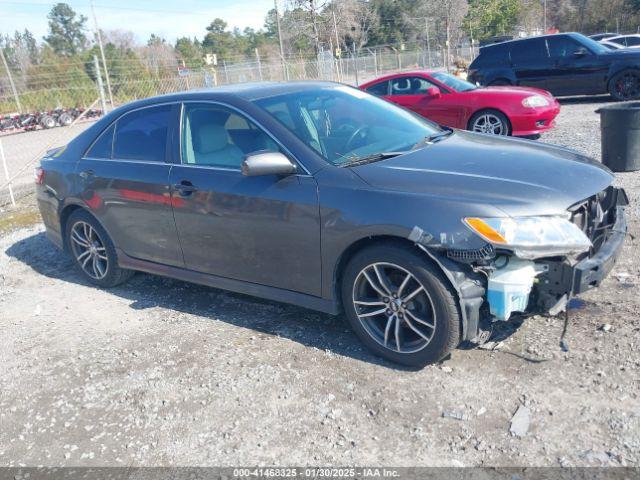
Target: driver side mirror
433, 92
581, 52
267, 163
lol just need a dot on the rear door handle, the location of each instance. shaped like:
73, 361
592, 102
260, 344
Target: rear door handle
184, 188
86, 174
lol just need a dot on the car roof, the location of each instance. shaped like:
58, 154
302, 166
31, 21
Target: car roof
247, 91
407, 73
634, 35
518, 40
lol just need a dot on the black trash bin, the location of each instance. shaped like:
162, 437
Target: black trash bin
620, 129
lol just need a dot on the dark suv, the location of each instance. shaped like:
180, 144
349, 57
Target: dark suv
564, 64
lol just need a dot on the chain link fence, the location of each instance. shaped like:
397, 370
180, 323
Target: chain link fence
68, 89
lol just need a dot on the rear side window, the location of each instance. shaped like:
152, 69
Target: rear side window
103, 146
142, 134
494, 55
379, 89
529, 51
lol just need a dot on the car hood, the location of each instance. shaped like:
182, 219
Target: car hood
519, 177
623, 53
510, 90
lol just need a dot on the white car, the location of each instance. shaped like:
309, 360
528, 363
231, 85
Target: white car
611, 45
628, 41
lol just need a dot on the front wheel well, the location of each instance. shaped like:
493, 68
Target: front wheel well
487, 110
360, 245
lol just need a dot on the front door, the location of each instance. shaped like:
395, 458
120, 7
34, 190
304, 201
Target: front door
411, 92
263, 229
125, 179
578, 71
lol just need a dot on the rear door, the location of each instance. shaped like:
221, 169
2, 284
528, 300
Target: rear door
577, 70
125, 178
531, 64
262, 229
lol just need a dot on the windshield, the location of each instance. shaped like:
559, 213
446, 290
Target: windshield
592, 45
343, 124
453, 82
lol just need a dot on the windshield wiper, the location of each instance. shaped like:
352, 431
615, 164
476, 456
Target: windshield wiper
434, 138
374, 157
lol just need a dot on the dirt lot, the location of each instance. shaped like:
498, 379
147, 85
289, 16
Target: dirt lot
161, 372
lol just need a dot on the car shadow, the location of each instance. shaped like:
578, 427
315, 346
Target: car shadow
144, 291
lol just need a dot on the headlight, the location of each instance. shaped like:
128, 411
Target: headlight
532, 237
535, 101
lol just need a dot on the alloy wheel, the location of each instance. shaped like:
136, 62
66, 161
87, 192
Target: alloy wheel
489, 123
628, 85
89, 250
394, 308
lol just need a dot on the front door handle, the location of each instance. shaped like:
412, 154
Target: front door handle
86, 174
185, 188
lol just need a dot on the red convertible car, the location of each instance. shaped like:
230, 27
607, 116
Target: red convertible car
451, 101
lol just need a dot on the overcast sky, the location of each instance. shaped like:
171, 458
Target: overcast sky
168, 18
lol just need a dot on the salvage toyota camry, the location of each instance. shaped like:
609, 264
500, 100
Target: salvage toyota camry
321, 195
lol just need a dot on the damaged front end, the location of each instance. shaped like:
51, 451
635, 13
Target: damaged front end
532, 265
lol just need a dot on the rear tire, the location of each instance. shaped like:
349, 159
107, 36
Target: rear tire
625, 85
490, 122
413, 329
48, 122
93, 251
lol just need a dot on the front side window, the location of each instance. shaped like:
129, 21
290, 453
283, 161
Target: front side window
342, 123
562, 47
411, 86
633, 41
142, 134
379, 89
216, 136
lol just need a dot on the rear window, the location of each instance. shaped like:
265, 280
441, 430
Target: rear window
142, 134
492, 55
528, 51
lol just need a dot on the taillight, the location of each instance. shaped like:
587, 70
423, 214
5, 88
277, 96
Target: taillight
38, 175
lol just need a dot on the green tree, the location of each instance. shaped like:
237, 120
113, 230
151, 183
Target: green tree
189, 51
66, 30
218, 40
488, 18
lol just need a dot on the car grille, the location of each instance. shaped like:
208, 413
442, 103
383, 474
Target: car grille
596, 215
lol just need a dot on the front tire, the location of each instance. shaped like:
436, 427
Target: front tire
491, 122
400, 305
93, 251
625, 85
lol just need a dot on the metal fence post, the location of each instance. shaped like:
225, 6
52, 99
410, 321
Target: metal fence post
355, 63
6, 174
13, 85
259, 64
103, 101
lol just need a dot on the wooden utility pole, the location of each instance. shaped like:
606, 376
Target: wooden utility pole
104, 61
285, 72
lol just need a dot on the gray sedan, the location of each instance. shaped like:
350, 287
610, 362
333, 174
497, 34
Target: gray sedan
321, 195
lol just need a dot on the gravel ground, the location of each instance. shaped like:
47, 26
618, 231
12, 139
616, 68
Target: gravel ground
161, 372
